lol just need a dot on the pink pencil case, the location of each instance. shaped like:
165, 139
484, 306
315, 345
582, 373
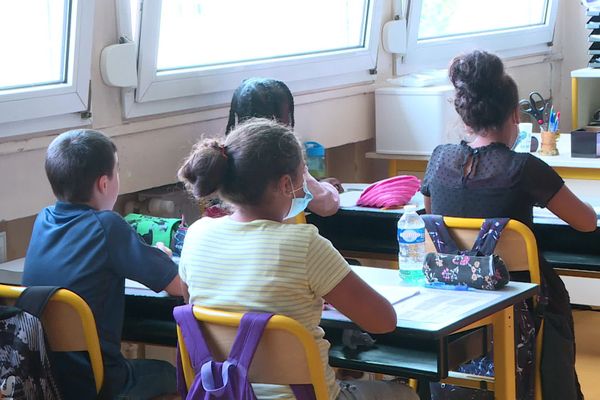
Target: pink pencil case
390, 193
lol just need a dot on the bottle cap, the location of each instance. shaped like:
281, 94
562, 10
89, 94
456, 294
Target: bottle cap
410, 208
314, 149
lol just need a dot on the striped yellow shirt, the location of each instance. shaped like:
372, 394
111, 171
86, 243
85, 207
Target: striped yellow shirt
263, 266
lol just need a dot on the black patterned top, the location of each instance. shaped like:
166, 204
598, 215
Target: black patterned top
499, 183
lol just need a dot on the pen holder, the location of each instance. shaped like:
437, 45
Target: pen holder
548, 147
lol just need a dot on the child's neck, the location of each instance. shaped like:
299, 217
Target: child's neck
252, 213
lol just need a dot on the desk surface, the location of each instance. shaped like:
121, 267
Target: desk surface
563, 160
431, 312
435, 313
11, 273
352, 192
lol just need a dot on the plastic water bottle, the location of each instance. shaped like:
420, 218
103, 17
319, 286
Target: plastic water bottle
411, 244
315, 159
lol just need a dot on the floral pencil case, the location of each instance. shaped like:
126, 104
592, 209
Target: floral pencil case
479, 272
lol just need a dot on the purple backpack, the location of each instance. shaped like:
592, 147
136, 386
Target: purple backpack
226, 380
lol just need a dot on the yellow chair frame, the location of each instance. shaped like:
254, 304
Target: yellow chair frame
66, 312
300, 363
518, 248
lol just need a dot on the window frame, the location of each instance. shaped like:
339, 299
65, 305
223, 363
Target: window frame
212, 86
514, 42
52, 106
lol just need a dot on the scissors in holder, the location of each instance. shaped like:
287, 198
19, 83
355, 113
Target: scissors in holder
535, 106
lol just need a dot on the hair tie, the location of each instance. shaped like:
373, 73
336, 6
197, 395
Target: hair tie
223, 151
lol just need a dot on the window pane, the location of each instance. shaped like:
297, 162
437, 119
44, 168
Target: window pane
33, 42
198, 33
443, 18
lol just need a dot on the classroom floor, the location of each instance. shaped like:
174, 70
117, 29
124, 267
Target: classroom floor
587, 335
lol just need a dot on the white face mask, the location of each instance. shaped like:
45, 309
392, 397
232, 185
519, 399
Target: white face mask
299, 204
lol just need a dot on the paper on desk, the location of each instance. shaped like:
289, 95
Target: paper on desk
395, 294
134, 285
349, 198
438, 306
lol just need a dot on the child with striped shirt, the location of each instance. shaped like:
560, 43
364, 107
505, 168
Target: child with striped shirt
251, 261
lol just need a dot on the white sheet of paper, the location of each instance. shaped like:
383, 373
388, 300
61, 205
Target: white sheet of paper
349, 198
435, 306
395, 294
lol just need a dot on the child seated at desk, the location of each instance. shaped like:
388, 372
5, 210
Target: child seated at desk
251, 261
272, 99
81, 245
484, 178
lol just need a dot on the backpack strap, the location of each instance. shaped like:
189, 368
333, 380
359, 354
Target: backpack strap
304, 392
439, 234
194, 343
34, 299
488, 236
247, 338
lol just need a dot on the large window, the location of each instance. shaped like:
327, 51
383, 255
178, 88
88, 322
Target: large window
257, 30
40, 45
203, 49
44, 73
439, 29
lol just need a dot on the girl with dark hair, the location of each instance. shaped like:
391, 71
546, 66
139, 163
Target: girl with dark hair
251, 261
272, 99
484, 178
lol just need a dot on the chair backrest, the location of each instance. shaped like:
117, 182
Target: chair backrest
517, 245
287, 353
69, 325
300, 218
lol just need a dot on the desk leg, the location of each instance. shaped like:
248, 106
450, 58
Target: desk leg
504, 355
392, 168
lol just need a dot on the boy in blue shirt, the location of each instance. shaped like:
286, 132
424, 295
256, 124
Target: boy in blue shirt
80, 244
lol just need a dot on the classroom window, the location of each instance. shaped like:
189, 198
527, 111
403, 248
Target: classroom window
44, 71
445, 18
258, 30
40, 44
439, 29
202, 50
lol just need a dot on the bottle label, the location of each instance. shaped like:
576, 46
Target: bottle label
409, 236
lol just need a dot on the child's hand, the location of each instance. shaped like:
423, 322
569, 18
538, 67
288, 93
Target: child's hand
335, 183
161, 246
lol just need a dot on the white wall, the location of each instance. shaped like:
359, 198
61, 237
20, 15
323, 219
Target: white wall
151, 149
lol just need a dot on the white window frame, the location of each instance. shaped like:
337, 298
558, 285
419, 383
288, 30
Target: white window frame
53, 106
437, 52
212, 86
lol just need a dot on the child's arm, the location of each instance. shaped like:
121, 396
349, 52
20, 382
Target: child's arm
326, 199
354, 298
133, 259
175, 287
330, 277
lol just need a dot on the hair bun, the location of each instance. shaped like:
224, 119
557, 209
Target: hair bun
485, 94
205, 168
476, 72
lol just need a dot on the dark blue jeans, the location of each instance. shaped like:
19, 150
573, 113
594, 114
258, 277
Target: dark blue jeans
148, 378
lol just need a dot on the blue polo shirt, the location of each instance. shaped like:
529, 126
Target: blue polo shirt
91, 252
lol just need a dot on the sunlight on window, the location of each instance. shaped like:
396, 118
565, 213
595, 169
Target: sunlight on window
200, 33
446, 18
33, 42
